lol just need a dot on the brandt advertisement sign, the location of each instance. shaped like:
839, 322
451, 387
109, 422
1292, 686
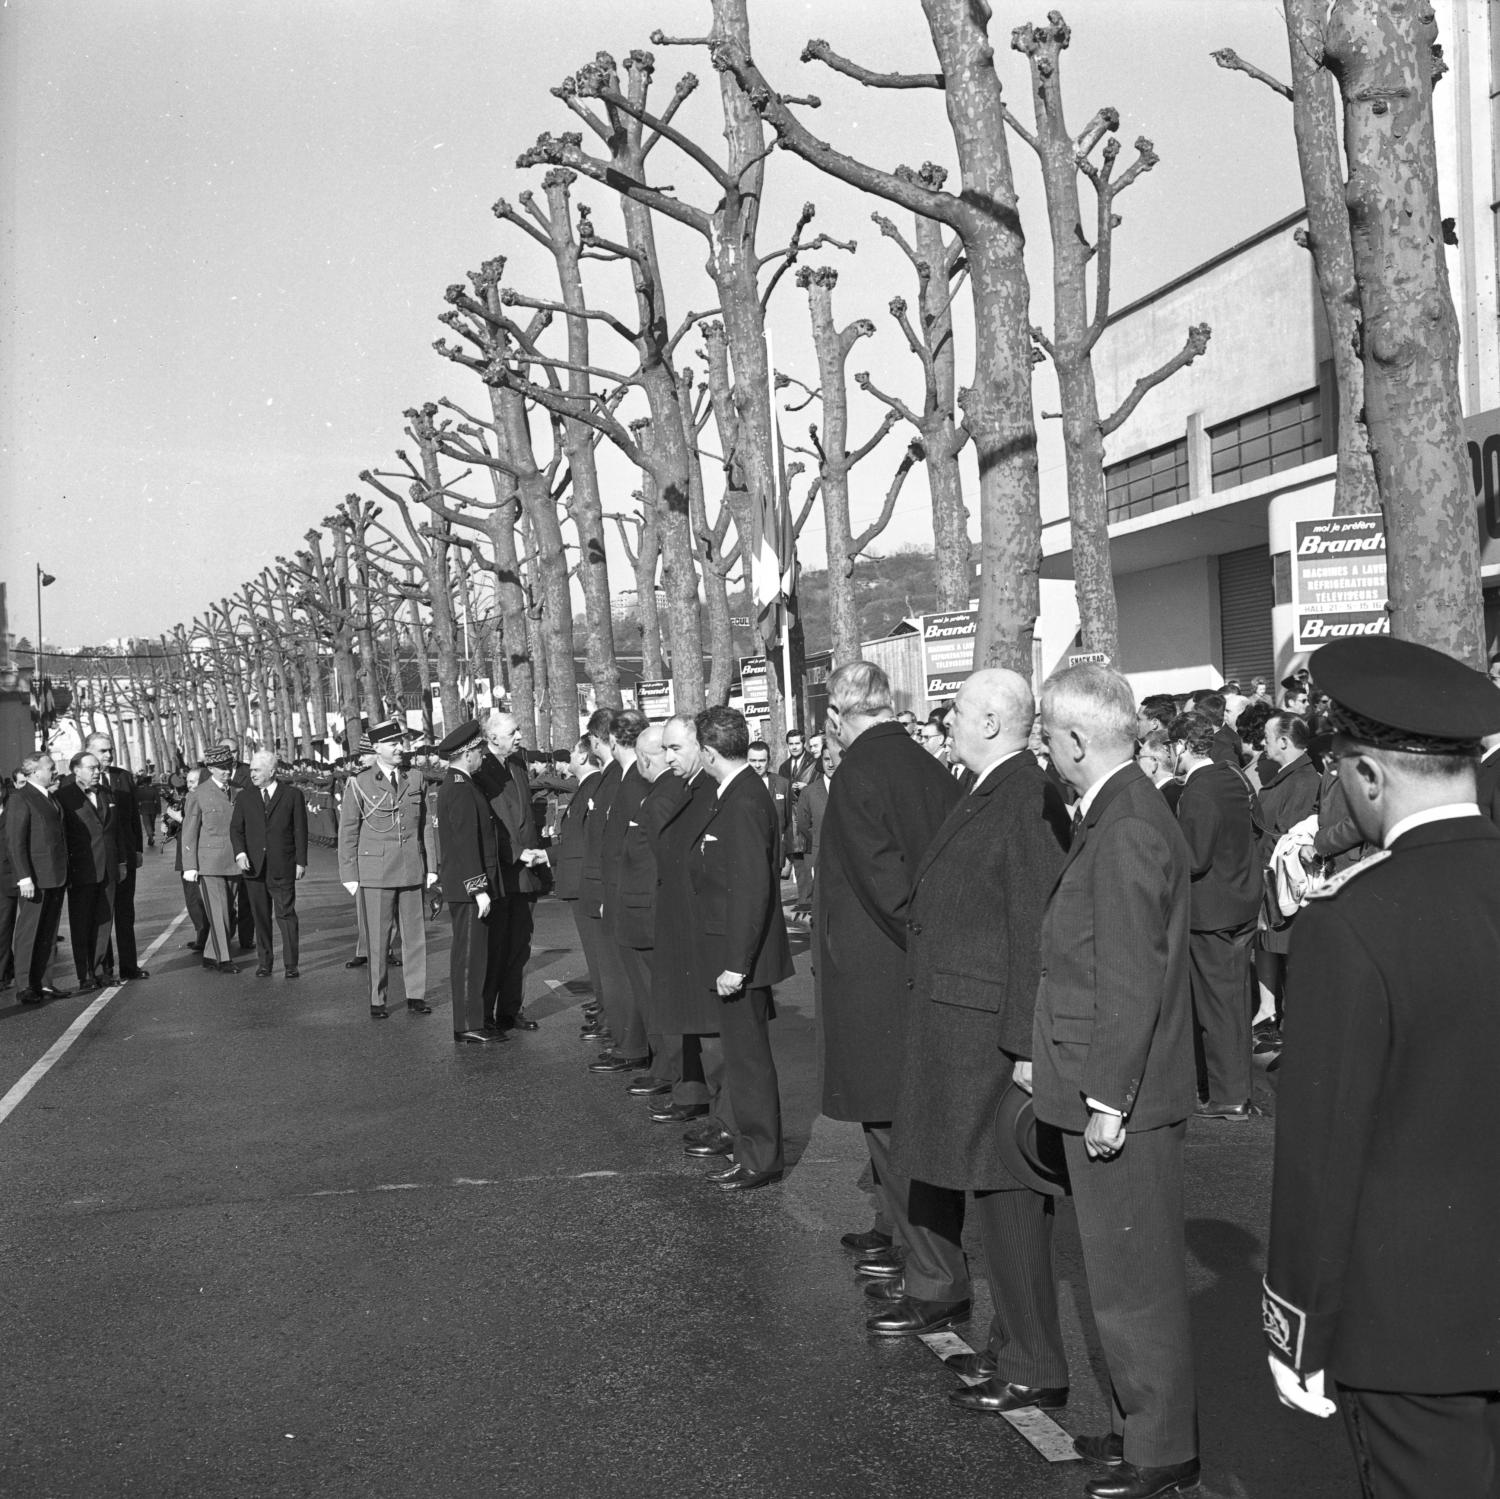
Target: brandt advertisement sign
1338, 579
948, 650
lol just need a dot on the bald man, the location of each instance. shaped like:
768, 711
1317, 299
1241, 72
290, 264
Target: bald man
972, 966
268, 832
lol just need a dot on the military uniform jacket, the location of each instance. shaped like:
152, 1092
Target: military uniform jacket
1216, 815
508, 790
682, 992
735, 868
591, 874
973, 956
206, 843
1113, 1012
469, 836
97, 846
630, 897
35, 838
886, 802
624, 813
1385, 1209
567, 851
384, 837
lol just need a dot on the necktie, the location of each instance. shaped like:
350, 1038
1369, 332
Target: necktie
265, 792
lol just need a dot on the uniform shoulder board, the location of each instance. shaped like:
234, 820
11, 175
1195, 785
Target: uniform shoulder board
1337, 883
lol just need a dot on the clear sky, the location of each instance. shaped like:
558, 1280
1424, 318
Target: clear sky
226, 227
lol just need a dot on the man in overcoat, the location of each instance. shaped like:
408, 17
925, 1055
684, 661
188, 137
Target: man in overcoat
611, 986
208, 853
97, 852
973, 956
1113, 1069
268, 831
38, 847
884, 807
1385, 1206
121, 786
567, 867
735, 868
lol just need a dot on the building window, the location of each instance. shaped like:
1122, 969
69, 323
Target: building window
1283, 435
1147, 482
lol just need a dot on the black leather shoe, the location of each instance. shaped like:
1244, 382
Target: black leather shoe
263, 973
720, 1144
972, 1365
891, 1251
594, 1033
744, 1180
908, 1317
885, 1291
379, 1012
476, 1038
356, 962
724, 1172
1229, 1113
648, 1087
884, 1269
293, 973
863, 1243
677, 1113
229, 967
193, 946
48, 992
618, 1064
86, 986
134, 973
996, 1395
1108, 1450
210, 965
520, 1021
30, 997
1130, 1482
419, 1007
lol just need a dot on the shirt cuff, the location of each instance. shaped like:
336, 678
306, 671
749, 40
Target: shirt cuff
1103, 1108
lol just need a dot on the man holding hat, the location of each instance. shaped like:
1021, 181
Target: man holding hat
1385, 1216
386, 859
469, 837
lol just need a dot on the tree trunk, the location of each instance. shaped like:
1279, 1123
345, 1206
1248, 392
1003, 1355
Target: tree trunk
514, 640
418, 638
645, 563
436, 564
706, 550
1381, 52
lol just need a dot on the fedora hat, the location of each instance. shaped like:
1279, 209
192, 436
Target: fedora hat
1031, 1150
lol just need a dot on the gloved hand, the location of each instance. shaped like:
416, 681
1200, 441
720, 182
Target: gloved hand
1301, 1393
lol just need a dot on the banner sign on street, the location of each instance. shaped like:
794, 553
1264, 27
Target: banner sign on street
1088, 658
948, 650
655, 699
754, 686
1338, 579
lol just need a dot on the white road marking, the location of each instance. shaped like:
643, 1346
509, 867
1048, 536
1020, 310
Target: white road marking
53, 1054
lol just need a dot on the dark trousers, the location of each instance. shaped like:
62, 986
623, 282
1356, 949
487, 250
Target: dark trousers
927, 1223
280, 895
802, 872
691, 1085
1015, 1229
192, 899
89, 912
1129, 1211
635, 1041
475, 950
1219, 971
124, 943
381, 905
37, 922
9, 900
1423, 1446
241, 914
750, 1081
611, 984
513, 917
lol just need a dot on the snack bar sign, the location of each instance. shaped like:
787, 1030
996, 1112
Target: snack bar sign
1338, 579
948, 650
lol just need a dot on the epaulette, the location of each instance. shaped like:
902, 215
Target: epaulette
1338, 882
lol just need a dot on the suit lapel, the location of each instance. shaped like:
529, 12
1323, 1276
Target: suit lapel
1107, 793
965, 811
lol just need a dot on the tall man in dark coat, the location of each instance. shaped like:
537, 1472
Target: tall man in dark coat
611, 985
1218, 818
735, 867
885, 804
684, 1002
567, 864
470, 881
1113, 1069
1385, 1207
503, 779
121, 786
97, 852
268, 832
38, 847
973, 930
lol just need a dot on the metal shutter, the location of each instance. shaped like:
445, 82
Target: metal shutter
1246, 595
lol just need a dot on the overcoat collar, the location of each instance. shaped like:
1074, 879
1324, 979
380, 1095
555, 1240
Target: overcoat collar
973, 803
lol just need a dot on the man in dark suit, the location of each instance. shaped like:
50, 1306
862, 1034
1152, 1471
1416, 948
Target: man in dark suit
97, 852
1113, 1069
735, 867
611, 984
781, 793
268, 832
121, 786
38, 848
1217, 815
884, 806
1227, 747
503, 779
470, 880
1385, 1206
972, 962
566, 855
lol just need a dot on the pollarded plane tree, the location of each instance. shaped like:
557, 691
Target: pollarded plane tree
1385, 58
984, 215
323, 595
836, 460
300, 627
1077, 328
348, 528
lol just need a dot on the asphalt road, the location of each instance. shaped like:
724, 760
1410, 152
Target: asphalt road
255, 1245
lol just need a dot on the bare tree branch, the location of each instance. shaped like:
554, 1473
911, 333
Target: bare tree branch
1197, 341
1227, 57
818, 50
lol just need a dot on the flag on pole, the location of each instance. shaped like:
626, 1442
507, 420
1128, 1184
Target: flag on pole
775, 541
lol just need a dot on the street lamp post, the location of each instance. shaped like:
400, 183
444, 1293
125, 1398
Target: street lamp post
43, 690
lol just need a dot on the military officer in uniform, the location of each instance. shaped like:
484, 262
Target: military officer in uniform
469, 836
386, 859
1381, 1284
